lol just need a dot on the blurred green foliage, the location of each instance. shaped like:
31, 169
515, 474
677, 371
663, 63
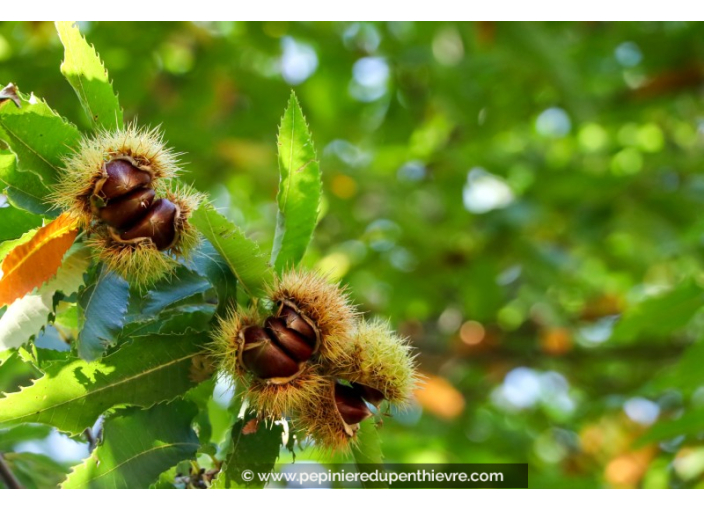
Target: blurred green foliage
521, 199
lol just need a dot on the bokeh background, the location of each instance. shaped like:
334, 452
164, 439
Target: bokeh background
522, 200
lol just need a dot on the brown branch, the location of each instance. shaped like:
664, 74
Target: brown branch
7, 477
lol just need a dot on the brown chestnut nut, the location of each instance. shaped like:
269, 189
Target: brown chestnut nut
290, 341
158, 225
350, 405
128, 209
122, 177
265, 359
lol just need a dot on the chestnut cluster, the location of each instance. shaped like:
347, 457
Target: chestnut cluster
279, 350
122, 188
312, 359
125, 200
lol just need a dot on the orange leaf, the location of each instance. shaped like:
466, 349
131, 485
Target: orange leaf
29, 265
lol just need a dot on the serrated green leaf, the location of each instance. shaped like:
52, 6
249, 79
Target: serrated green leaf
138, 445
183, 284
201, 396
243, 256
15, 222
255, 451
300, 189
24, 190
87, 75
176, 320
207, 262
15, 372
367, 452
72, 396
27, 316
104, 303
38, 136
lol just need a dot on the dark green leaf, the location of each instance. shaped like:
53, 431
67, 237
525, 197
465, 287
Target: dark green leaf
14, 222
138, 445
300, 189
207, 262
182, 284
104, 303
255, 451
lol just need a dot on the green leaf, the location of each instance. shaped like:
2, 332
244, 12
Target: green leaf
26, 432
15, 371
255, 451
14, 222
35, 471
176, 320
183, 284
243, 256
72, 396
38, 136
24, 190
27, 316
367, 453
138, 446
87, 75
104, 303
207, 262
300, 189
661, 315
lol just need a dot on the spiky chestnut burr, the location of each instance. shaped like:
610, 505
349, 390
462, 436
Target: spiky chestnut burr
145, 251
377, 362
270, 379
308, 303
119, 186
110, 164
332, 420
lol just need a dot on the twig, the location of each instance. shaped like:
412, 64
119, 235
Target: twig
7, 477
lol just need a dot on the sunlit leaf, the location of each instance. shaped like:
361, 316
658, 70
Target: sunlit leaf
24, 190
300, 189
38, 136
73, 395
243, 256
87, 75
